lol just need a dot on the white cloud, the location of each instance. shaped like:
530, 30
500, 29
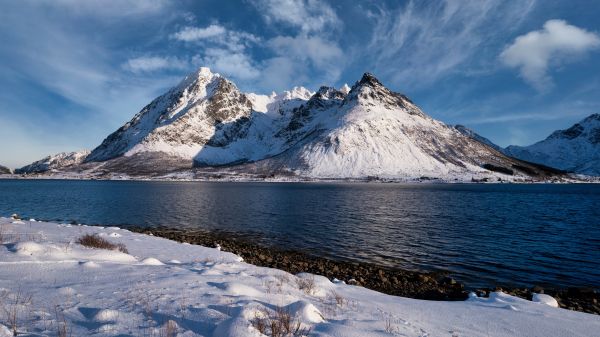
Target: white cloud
308, 15
237, 65
557, 42
190, 34
216, 34
223, 50
423, 42
312, 48
153, 63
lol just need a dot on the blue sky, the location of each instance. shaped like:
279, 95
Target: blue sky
73, 71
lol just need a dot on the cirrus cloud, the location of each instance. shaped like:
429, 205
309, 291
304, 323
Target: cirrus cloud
190, 34
153, 63
308, 15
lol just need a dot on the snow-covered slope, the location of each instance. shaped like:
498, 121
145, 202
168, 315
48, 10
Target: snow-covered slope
366, 130
165, 288
58, 161
575, 149
372, 131
203, 108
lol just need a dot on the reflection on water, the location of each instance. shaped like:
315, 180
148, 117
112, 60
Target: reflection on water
483, 234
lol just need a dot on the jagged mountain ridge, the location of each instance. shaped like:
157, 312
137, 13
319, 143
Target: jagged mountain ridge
373, 131
474, 135
576, 149
365, 130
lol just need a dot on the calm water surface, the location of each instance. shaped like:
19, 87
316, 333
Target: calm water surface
485, 235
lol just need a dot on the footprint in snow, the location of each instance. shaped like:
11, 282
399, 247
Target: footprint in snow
238, 289
89, 264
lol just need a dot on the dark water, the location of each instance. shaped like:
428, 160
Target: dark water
512, 235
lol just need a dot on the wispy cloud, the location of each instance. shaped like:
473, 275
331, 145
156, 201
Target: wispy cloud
309, 52
107, 8
154, 63
308, 15
535, 52
420, 43
236, 64
223, 50
190, 34
66, 84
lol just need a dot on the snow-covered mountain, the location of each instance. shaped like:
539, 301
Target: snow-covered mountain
575, 149
366, 130
474, 135
4, 170
58, 161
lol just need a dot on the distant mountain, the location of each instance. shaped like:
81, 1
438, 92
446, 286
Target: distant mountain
59, 161
366, 130
576, 149
4, 170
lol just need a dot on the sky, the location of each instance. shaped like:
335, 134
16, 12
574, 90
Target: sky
73, 71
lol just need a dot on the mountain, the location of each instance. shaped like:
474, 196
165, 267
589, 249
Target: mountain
576, 149
474, 135
4, 170
60, 161
207, 125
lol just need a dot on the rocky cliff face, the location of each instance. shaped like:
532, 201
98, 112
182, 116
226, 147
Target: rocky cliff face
204, 108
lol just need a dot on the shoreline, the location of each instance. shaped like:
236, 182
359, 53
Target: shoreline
244, 179
391, 281
153, 286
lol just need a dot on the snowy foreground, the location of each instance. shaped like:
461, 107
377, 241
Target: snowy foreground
50, 285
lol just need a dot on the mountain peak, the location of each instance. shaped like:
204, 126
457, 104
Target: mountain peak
345, 88
369, 90
370, 79
325, 92
591, 118
204, 71
203, 75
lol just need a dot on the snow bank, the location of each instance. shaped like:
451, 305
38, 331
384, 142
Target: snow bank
545, 299
206, 292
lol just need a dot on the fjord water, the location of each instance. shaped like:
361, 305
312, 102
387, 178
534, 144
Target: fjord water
484, 235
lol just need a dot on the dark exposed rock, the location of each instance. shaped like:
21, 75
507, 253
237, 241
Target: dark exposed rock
387, 280
4, 170
431, 286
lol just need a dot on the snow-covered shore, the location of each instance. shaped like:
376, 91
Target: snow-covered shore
165, 288
218, 177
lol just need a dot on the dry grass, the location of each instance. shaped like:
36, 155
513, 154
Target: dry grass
14, 307
62, 328
337, 298
169, 329
278, 324
95, 241
306, 284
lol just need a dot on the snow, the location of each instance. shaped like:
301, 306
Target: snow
202, 291
353, 133
545, 299
576, 149
55, 162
